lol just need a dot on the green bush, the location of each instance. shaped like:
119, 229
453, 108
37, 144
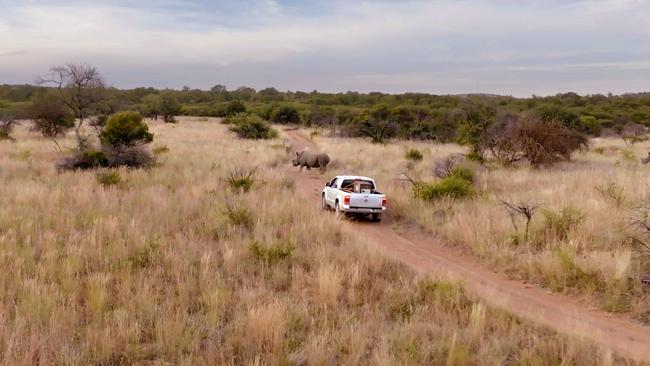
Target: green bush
241, 180
561, 223
271, 254
87, 159
109, 178
250, 126
452, 187
235, 107
414, 155
126, 129
463, 173
285, 114
239, 216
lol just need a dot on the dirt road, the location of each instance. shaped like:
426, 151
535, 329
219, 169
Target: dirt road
427, 255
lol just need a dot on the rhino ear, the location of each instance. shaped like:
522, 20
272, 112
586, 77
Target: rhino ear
298, 154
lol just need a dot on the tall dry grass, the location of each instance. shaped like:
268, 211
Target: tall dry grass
577, 238
173, 266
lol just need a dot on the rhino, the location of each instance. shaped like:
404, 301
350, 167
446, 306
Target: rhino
311, 160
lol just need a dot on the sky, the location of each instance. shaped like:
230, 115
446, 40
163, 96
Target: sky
507, 47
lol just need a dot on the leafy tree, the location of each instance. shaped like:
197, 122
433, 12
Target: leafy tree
554, 113
377, 123
151, 106
50, 117
126, 129
235, 107
475, 119
250, 126
169, 107
285, 114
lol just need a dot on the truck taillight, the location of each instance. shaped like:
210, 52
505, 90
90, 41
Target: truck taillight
346, 200
384, 201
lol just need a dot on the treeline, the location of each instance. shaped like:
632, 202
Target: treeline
376, 115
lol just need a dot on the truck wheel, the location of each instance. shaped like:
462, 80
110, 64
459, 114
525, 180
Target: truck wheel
376, 217
337, 209
324, 203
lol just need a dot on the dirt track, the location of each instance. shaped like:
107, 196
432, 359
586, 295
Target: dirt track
426, 255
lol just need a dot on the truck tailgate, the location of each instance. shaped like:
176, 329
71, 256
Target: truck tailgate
362, 200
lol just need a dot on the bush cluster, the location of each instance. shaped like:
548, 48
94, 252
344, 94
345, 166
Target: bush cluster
457, 185
414, 155
123, 140
250, 126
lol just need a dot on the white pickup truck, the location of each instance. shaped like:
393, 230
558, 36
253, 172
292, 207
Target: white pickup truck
354, 194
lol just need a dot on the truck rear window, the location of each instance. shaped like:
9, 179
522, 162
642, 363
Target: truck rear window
357, 186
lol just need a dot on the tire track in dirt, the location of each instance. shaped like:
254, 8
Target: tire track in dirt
426, 255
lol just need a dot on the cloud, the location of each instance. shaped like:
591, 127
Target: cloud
448, 45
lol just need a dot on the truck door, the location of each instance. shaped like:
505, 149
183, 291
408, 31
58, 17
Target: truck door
330, 192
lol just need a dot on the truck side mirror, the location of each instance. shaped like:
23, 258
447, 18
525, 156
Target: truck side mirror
327, 184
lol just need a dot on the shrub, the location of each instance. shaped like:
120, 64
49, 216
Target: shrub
108, 178
136, 156
613, 191
271, 254
234, 107
49, 116
159, 150
87, 159
239, 216
126, 129
463, 173
543, 143
285, 114
169, 107
251, 126
561, 223
7, 124
241, 180
443, 167
452, 187
414, 155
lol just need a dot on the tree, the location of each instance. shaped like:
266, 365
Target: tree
80, 88
541, 142
250, 126
169, 107
151, 106
475, 119
50, 117
7, 124
377, 123
235, 107
219, 89
126, 129
285, 114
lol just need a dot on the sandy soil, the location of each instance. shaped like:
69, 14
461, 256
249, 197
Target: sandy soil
427, 255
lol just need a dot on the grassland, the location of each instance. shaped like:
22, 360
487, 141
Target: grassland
170, 265
579, 238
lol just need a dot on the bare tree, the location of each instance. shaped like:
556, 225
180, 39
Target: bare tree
80, 87
525, 209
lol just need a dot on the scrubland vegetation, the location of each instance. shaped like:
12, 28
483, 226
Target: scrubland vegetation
576, 227
185, 263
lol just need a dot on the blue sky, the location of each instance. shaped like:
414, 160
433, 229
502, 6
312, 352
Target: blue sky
504, 46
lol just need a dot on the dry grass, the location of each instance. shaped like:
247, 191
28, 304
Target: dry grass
158, 271
577, 240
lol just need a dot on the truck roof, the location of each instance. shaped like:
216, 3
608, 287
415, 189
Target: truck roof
359, 177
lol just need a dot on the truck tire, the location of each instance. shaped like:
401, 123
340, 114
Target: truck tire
337, 209
376, 217
324, 203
